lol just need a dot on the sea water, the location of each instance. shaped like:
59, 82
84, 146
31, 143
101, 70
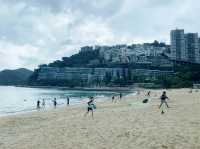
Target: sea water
21, 99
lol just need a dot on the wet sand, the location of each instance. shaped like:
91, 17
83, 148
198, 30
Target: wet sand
123, 125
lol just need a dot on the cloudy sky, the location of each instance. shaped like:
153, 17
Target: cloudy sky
33, 32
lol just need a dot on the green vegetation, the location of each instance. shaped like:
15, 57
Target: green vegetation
82, 59
186, 75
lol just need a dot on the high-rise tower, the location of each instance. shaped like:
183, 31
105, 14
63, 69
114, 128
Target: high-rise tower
178, 51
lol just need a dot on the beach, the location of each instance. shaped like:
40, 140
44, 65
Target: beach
125, 124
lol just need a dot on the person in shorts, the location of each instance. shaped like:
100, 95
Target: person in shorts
163, 98
91, 106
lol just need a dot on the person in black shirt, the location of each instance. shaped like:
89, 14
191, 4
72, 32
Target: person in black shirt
55, 102
163, 99
67, 100
38, 104
91, 106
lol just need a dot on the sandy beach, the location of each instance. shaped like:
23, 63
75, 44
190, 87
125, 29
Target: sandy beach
127, 124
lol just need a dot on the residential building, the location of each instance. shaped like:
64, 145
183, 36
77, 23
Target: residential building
184, 47
85, 75
192, 47
199, 48
86, 48
150, 74
177, 39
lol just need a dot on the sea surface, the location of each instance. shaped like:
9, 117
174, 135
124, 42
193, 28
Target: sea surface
14, 100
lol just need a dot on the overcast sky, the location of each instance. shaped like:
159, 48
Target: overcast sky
33, 32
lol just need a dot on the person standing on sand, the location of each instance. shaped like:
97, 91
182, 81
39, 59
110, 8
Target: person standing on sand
38, 104
67, 100
163, 100
91, 106
55, 102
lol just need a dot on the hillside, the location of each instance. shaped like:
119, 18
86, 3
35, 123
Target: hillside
14, 77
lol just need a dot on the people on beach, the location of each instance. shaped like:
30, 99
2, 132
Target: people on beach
55, 102
38, 104
43, 103
67, 100
163, 100
90, 106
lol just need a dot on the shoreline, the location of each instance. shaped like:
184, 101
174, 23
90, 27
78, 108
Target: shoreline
62, 106
61, 103
34, 111
59, 107
129, 93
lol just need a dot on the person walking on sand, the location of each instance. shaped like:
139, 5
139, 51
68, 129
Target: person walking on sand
55, 102
38, 104
90, 106
163, 99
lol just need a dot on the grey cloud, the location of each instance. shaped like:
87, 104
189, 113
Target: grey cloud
94, 7
25, 15
164, 3
50, 29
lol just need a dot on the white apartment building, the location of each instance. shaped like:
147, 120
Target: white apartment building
177, 38
185, 47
